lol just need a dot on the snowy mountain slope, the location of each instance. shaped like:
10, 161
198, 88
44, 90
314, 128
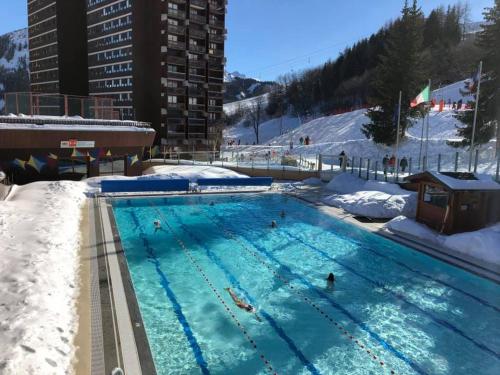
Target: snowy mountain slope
13, 48
231, 108
14, 62
267, 130
239, 87
229, 77
452, 92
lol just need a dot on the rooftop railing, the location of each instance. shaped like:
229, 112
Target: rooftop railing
35, 104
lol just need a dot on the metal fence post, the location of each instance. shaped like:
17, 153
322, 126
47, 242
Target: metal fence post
439, 162
376, 170
498, 168
368, 169
360, 164
476, 160
410, 163
456, 161
352, 165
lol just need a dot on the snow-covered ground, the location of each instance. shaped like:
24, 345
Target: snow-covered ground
482, 244
39, 247
374, 199
19, 39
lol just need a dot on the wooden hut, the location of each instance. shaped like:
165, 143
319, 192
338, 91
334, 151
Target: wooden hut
452, 202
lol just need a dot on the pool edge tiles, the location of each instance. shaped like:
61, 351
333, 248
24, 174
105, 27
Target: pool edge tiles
109, 245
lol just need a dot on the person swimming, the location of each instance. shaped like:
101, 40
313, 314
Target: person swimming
273, 224
212, 204
330, 280
241, 304
157, 224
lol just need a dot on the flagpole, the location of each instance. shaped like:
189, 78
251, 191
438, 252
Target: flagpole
397, 135
475, 115
421, 144
427, 131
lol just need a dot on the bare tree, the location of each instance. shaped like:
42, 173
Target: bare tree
255, 114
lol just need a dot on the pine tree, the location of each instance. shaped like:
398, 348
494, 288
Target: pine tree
489, 101
400, 68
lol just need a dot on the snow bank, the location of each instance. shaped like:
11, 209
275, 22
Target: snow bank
40, 241
375, 199
482, 244
191, 172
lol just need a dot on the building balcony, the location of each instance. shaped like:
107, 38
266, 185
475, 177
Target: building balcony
174, 75
39, 41
197, 64
42, 15
216, 80
176, 13
217, 38
175, 106
36, 5
176, 91
198, 18
200, 4
217, 7
217, 23
197, 49
215, 108
174, 60
176, 29
216, 94
197, 33
216, 52
176, 45
196, 107
196, 92
197, 78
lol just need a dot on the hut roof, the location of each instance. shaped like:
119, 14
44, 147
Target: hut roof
458, 180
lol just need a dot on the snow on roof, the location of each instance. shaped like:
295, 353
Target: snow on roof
73, 123
473, 181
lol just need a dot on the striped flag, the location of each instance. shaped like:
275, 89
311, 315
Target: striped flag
423, 97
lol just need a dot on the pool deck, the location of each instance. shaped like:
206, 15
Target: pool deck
315, 194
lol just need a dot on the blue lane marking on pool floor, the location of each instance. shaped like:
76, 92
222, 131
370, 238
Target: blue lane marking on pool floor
334, 304
193, 343
399, 296
366, 247
232, 279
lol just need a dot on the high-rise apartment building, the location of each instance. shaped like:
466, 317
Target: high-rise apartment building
162, 61
57, 46
192, 71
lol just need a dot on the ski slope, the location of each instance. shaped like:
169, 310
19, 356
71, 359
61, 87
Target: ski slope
332, 134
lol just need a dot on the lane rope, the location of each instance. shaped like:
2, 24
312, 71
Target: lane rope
242, 328
345, 333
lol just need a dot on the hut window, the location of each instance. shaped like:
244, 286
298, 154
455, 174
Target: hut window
435, 196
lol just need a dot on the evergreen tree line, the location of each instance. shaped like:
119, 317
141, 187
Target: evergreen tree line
401, 56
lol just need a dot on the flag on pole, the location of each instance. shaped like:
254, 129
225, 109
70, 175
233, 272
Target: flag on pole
474, 81
423, 97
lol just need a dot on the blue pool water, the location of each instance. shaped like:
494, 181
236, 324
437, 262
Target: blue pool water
391, 308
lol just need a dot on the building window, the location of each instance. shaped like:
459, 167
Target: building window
172, 38
172, 99
173, 22
172, 68
436, 196
212, 102
173, 6
193, 101
172, 84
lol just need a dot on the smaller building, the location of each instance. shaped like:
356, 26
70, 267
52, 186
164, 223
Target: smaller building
453, 202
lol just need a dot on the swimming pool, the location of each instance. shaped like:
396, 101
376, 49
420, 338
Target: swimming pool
391, 310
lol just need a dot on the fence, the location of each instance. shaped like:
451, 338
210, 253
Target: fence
32, 104
375, 169
280, 157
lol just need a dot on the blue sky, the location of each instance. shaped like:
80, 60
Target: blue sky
269, 37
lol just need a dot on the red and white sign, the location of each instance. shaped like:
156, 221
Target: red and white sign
74, 143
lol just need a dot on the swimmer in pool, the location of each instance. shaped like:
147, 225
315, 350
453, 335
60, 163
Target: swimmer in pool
273, 224
330, 280
157, 224
241, 304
